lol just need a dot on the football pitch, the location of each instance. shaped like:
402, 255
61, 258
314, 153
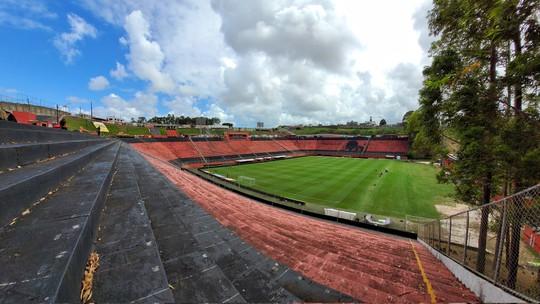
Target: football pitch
378, 186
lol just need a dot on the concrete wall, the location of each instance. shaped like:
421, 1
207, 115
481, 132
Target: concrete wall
38, 110
485, 290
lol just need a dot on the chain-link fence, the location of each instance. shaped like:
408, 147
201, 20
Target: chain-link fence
500, 241
26, 99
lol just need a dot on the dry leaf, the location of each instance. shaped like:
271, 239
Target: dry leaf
87, 282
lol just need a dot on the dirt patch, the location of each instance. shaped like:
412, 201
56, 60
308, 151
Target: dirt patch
450, 209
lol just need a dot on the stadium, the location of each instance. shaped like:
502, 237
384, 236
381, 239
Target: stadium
180, 194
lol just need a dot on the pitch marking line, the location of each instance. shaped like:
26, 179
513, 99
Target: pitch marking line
424, 276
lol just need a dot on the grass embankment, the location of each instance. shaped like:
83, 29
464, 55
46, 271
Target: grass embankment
349, 131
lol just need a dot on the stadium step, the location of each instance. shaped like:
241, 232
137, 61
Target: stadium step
14, 156
370, 266
44, 252
14, 133
20, 188
130, 268
207, 262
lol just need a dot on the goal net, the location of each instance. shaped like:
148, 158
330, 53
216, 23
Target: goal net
246, 180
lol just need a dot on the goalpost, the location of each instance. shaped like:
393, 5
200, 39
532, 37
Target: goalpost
246, 181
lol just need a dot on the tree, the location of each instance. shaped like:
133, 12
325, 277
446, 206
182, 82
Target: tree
471, 103
141, 119
382, 122
405, 117
494, 46
228, 124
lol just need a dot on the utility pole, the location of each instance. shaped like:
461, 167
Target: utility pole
91, 111
56, 113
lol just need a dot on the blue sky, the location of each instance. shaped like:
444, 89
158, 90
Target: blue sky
34, 66
280, 62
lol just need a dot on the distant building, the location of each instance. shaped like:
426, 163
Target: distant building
260, 125
115, 120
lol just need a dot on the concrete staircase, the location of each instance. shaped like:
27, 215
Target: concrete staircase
50, 204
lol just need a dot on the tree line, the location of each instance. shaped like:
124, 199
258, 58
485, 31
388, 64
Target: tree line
170, 119
482, 91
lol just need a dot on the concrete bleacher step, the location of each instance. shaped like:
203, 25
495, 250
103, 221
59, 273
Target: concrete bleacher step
12, 133
370, 266
21, 188
16, 155
130, 266
206, 262
43, 254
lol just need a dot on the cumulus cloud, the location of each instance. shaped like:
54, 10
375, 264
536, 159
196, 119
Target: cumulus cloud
298, 30
119, 72
145, 56
142, 104
297, 61
67, 42
279, 82
98, 83
182, 105
422, 27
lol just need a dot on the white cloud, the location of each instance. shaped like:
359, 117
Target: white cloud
77, 100
25, 14
119, 72
145, 56
298, 30
282, 61
187, 33
98, 83
183, 106
67, 42
142, 104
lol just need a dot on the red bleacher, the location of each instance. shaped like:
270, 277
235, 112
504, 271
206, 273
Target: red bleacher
388, 146
212, 148
171, 133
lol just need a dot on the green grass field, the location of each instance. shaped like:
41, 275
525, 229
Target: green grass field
350, 184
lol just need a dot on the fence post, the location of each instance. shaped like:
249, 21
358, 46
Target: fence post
439, 224
431, 233
466, 242
449, 235
498, 250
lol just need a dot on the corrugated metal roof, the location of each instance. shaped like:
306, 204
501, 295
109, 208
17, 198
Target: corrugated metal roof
23, 117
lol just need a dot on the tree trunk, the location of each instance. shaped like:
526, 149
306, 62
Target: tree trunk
518, 86
515, 234
482, 237
515, 240
500, 232
486, 189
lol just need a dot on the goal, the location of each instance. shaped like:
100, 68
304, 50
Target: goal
246, 181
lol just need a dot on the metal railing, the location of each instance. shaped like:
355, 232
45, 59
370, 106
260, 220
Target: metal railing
499, 241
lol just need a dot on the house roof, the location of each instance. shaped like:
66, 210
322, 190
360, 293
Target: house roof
23, 117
